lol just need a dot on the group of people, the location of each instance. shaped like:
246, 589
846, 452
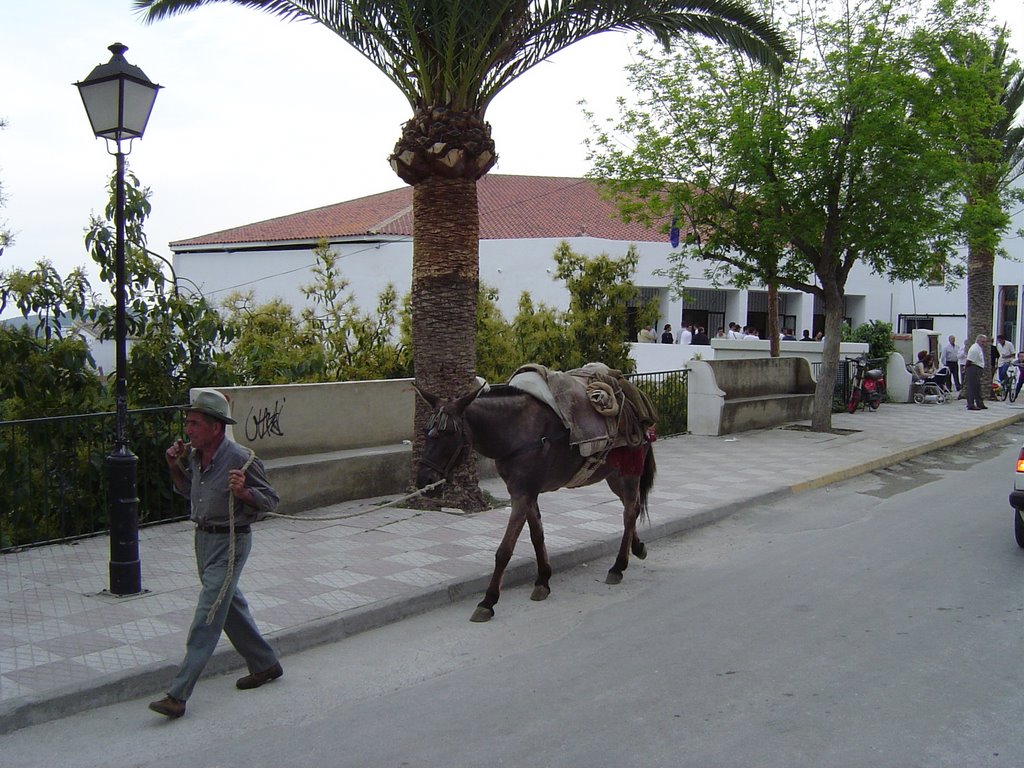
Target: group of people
747, 332
696, 334
960, 367
688, 334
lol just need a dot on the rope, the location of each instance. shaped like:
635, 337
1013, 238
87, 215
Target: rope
231, 529
231, 545
347, 515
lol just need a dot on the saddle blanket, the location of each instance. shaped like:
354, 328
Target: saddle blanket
566, 396
601, 409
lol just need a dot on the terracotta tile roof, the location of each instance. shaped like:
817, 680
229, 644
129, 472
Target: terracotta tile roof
511, 207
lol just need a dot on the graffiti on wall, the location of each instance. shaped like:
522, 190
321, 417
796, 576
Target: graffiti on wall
264, 422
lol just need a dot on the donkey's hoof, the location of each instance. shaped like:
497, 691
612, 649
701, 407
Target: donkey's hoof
482, 614
540, 592
613, 578
640, 551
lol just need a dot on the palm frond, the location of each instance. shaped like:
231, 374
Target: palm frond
1008, 130
155, 10
461, 53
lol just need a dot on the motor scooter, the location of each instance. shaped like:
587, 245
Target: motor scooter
868, 386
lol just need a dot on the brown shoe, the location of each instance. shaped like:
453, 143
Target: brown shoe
256, 679
169, 706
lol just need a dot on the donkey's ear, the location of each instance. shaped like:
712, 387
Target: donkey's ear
464, 402
429, 399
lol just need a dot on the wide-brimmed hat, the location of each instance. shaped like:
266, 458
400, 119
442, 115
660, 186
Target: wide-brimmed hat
212, 404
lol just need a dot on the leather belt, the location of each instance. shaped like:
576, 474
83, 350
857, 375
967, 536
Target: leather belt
223, 529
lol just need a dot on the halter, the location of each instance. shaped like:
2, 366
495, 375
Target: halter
441, 423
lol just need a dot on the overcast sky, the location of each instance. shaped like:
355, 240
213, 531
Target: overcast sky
257, 118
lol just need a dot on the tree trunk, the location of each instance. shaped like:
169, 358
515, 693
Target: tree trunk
821, 420
980, 298
773, 320
445, 280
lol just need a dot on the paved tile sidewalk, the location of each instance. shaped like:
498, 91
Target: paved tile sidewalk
64, 644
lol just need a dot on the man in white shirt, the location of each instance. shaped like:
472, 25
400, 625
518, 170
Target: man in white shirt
1007, 354
949, 356
685, 335
972, 373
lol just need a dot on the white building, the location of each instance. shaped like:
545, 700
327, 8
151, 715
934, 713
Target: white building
522, 221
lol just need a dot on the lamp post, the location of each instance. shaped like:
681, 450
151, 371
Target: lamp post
118, 98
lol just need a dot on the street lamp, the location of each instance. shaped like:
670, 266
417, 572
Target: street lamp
118, 98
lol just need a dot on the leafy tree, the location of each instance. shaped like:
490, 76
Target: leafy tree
450, 58
56, 302
6, 237
45, 370
600, 290
270, 346
539, 335
496, 357
356, 346
593, 328
982, 91
793, 180
876, 334
177, 339
46, 376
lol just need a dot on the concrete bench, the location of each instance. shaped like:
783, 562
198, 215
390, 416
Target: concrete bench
726, 396
327, 443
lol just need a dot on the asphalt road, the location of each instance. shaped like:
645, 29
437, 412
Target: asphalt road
877, 622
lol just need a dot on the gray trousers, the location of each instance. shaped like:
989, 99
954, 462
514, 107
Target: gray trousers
233, 616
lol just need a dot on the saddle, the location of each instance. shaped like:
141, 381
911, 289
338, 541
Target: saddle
600, 407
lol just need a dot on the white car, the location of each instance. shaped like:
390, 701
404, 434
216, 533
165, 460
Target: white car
1017, 499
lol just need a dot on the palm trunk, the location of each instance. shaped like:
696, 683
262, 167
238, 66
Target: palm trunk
980, 297
445, 280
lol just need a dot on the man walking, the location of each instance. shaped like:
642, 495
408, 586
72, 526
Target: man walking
228, 488
972, 374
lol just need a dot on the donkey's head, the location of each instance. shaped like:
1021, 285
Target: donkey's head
446, 439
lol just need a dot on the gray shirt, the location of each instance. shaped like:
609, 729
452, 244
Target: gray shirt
209, 488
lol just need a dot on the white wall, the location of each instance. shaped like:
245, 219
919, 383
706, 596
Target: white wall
513, 266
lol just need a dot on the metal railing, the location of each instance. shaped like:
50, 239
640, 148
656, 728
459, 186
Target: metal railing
53, 478
667, 391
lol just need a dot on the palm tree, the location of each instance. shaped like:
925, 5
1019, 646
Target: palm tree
450, 58
994, 162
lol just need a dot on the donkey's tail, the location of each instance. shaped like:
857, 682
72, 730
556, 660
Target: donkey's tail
647, 480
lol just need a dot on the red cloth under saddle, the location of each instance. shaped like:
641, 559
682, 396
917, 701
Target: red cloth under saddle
628, 461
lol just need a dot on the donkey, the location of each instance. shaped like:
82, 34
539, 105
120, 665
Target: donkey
530, 447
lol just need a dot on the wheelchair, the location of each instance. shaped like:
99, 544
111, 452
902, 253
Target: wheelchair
931, 390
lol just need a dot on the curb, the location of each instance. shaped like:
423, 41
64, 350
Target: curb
904, 455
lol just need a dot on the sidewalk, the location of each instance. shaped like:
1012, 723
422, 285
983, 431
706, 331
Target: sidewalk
65, 646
